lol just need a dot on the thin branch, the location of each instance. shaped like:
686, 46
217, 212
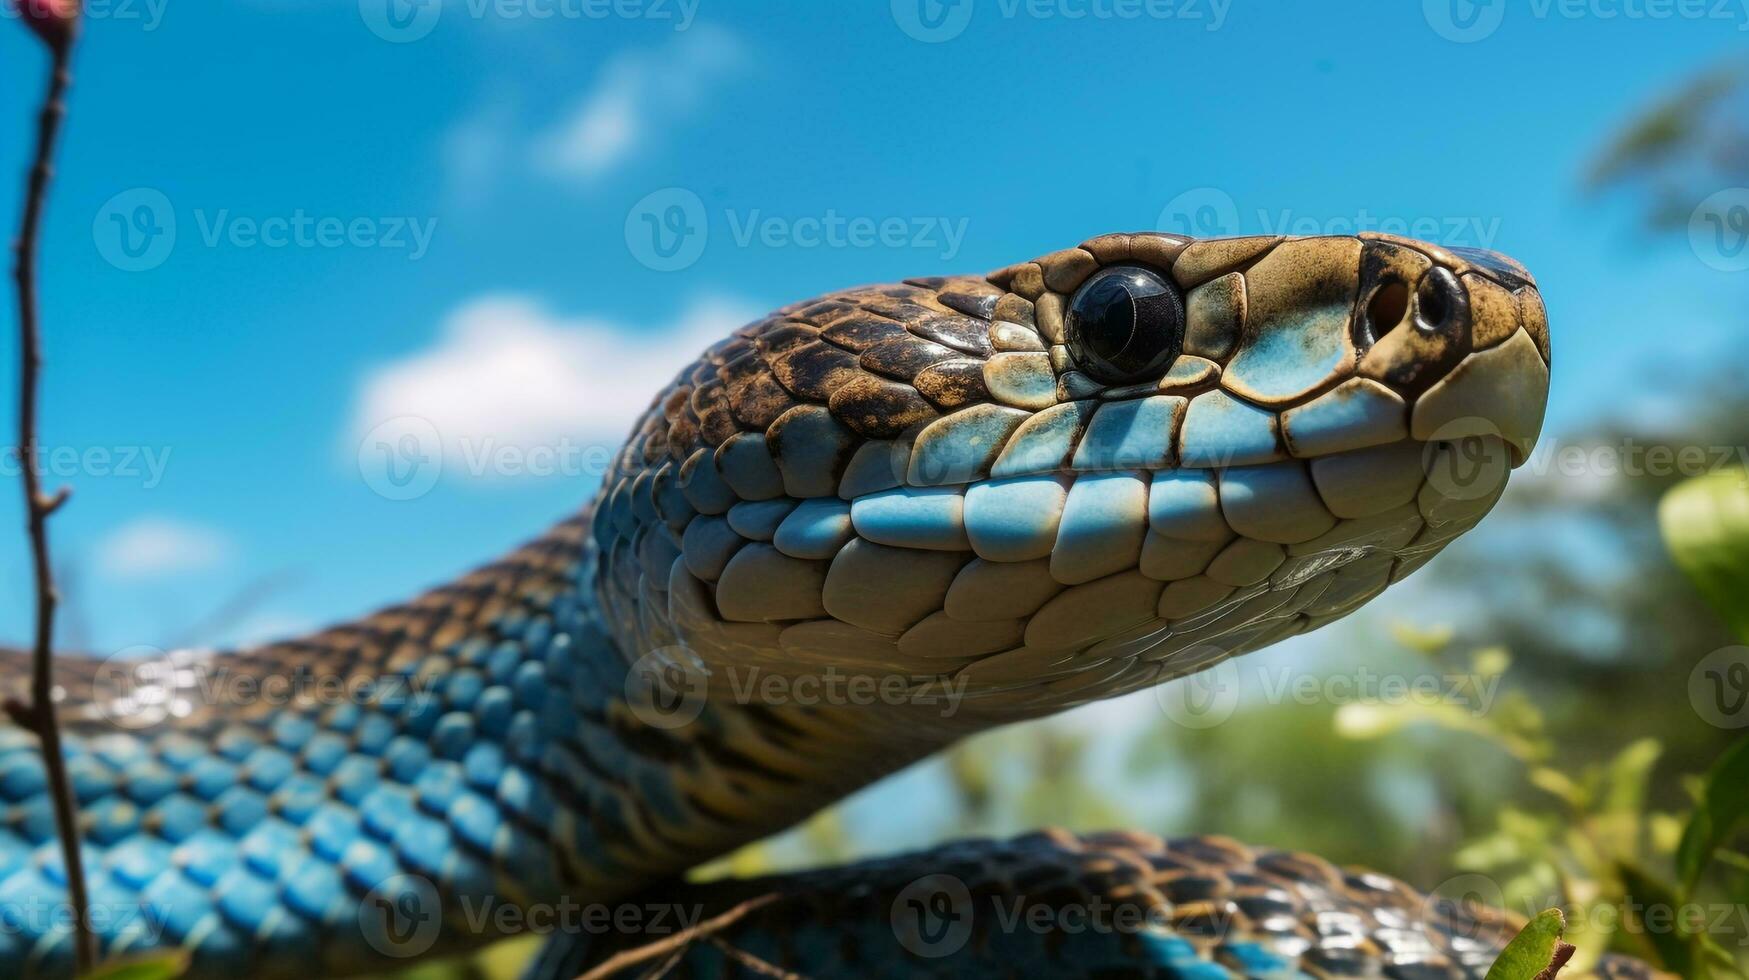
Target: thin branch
753, 963
678, 942
39, 715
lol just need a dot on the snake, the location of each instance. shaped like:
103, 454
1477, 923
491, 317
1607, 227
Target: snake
846, 536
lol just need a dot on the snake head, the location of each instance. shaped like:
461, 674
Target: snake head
1078, 475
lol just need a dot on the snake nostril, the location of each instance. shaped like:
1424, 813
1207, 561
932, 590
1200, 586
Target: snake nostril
1387, 307
1437, 301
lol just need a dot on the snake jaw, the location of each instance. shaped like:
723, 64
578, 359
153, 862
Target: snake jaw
1000, 481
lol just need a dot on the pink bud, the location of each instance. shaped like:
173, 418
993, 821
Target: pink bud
52, 20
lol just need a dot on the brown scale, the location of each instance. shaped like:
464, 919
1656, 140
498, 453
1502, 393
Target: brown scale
965, 298
903, 359
903, 310
962, 333
858, 331
813, 371
878, 408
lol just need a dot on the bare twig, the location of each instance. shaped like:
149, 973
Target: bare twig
753, 963
39, 715
678, 942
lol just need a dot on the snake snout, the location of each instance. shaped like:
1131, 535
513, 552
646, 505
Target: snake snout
1461, 334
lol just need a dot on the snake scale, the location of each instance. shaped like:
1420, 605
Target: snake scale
846, 536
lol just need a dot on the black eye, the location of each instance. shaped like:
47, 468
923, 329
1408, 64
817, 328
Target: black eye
1125, 324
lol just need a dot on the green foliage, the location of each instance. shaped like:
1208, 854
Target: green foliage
1645, 891
1596, 844
1565, 839
1706, 523
1683, 148
1535, 951
1724, 803
1706, 526
167, 967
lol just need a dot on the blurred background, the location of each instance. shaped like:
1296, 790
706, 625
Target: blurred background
279, 230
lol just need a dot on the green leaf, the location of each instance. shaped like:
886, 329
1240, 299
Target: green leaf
1428, 640
1557, 783
166, 967
1723, 803
1629, 772
1490, 662
1719, 961
1537, 950
1706, 526
1676, 952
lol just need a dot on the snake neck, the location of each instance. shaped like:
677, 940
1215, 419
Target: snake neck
388, 787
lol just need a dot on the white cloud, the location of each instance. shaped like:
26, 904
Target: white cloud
509, 373
637, 93
152, 546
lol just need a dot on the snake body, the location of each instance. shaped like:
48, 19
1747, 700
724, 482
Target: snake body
846, 536
1056, 904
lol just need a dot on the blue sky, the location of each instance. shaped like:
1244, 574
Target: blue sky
465, 196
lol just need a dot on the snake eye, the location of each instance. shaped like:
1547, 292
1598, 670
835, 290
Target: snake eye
1124, 324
